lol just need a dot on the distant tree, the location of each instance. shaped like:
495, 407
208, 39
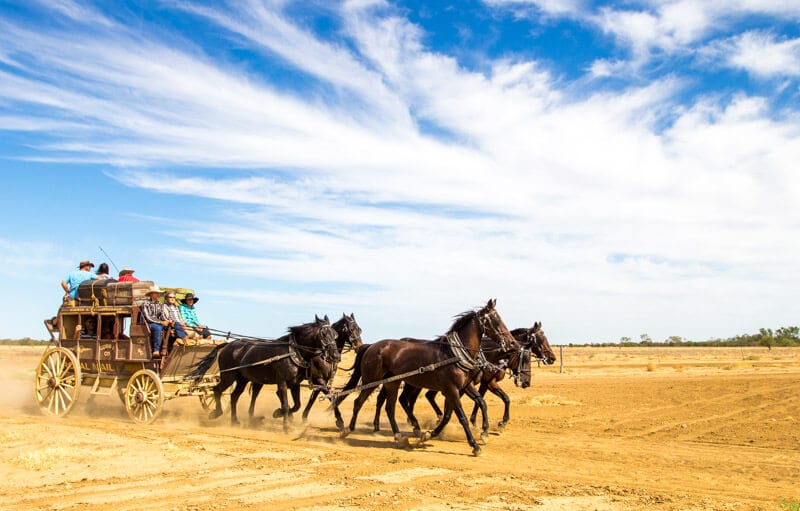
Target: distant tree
674, 339
788, 333
645, 339
767, 338
624, 340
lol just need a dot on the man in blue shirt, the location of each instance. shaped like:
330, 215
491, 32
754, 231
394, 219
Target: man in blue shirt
75, 277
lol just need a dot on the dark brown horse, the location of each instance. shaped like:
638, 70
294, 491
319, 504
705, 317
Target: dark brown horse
307, 351
532, 341
446, 364
516, 360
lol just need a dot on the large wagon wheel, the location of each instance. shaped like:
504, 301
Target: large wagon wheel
58, 380
144, 396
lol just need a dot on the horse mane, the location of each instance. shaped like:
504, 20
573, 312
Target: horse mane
462, 319
306, 330
519, 331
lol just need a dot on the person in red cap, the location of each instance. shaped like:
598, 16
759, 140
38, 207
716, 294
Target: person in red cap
75, 277
126, 275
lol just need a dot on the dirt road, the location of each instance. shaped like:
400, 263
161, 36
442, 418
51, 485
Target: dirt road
699, 429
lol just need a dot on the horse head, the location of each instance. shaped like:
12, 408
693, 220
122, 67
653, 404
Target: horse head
317, 337
327, 339
348, 333
537, 342
492, 326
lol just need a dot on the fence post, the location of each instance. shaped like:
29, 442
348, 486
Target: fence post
561, 358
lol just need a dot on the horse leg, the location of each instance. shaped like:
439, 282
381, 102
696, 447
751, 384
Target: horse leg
497, 391
376, 423
408, 398
311, 399
448, 412
255, 388
295, 398
241, 383
391, 403
431, 397
453, 401
284, 409
357, 404
474, 415
218, 389
479, 401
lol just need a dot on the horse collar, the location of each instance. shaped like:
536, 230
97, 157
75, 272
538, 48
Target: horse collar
296, 357
465, 360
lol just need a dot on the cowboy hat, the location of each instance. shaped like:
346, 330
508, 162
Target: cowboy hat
85, 262
154, 289
192, 296
125, 271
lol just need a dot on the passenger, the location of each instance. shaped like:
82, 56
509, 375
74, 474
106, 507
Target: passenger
74, 279
156, 316
102, 272
126, 275
189, 315
174, 315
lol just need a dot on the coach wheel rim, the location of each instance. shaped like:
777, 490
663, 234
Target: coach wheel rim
144, 396
57, 382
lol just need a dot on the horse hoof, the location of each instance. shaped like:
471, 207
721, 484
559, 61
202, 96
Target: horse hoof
485, 438
339, 424
402, 441
343, 433
476, 451
277, 414
417, 432
501, 426
424, 436
213, 415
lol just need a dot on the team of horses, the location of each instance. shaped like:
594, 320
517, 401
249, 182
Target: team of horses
471, 358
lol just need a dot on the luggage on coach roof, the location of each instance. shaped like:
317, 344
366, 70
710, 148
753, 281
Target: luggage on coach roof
110, 292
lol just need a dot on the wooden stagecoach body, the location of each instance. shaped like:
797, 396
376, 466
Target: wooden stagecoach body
101, 341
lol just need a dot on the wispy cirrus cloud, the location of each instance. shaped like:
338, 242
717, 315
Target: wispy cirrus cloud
419, 183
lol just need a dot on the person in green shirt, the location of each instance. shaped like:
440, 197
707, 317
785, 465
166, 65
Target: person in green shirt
189, 315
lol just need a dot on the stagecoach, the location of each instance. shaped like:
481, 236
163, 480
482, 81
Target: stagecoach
100, 341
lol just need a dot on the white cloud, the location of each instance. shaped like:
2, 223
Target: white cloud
552, 7
446, 186
760, 54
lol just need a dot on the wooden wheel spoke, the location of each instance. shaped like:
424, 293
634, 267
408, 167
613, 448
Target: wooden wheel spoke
57, 381
144, 396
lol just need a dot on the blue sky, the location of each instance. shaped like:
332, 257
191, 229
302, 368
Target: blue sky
608, 168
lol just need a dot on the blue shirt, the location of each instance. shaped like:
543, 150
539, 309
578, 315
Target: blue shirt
74, 279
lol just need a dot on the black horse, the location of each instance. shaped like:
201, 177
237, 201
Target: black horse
446, 364
517, 361
306, 351
348, 337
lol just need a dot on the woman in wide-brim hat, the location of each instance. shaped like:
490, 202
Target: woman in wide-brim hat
189, 315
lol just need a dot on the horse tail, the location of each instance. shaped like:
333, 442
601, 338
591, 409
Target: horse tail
200, 368
353, 381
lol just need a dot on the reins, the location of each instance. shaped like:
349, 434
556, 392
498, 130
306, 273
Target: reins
420, 370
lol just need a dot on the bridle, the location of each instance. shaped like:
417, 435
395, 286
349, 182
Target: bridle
328, 349
488, 322
353, 334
